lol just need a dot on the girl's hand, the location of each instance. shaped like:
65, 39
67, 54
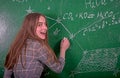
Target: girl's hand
64, 44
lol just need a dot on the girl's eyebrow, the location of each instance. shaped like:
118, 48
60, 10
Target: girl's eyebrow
39, 22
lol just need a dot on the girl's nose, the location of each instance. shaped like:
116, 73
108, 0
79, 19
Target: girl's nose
45, 26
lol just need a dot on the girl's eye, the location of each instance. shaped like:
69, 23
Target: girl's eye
39, 24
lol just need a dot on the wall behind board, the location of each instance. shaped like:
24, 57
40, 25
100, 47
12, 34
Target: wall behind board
92, 26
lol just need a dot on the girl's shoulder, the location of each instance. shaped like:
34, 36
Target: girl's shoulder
34, 43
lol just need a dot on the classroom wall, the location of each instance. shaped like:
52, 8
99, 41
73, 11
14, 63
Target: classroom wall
92, 26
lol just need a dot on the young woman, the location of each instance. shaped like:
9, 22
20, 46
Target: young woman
30, 51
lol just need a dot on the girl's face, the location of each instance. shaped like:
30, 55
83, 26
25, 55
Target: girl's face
41, 29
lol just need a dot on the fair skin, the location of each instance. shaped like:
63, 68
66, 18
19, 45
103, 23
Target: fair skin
41, 29
41, 32
64, 46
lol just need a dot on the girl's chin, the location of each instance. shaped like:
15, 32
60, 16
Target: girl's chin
42, 38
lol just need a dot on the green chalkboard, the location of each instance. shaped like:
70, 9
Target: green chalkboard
92, 26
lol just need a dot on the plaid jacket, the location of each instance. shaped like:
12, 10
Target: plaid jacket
36, 58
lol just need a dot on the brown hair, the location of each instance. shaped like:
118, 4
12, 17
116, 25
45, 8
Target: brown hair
27, 31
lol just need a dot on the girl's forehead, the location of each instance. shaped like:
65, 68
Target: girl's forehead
41, 18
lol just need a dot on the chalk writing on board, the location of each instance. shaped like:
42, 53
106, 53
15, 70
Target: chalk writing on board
99, 16
95, 3
20, 1
100, 23
29, 10
48, 8
58, 21
98, 60
56, 31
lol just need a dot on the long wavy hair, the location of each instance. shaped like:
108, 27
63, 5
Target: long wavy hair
28, 30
